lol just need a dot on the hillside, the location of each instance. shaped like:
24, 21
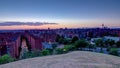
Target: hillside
76, 59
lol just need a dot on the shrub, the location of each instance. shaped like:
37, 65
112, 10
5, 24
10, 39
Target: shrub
69, 47
91, 46
45, 52
101, 51
31, 54
59, 51
6, 59
36, 53
27, 55
114, 51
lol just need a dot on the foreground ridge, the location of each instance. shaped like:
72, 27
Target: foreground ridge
76, 59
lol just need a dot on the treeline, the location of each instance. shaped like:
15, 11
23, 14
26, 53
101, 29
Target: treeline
69, 45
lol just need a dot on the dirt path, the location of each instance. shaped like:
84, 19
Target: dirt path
77, 59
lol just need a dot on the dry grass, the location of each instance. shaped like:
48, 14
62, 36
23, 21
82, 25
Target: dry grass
76, 59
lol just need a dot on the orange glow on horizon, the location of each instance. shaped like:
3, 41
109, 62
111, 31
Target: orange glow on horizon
53, 26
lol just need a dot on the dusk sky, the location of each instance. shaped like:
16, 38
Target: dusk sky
67, 13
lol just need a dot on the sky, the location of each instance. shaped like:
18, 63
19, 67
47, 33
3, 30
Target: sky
66, 13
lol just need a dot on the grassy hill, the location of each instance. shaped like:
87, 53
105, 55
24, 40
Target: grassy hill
76, 59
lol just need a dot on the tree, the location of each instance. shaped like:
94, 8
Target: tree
74, 39
57, 38
106, 42
118, 44
111, 42
66, 41
99, 43
81, 43
61, 40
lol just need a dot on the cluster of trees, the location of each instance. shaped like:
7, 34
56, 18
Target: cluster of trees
77, 44
62, 40
111, 45
107, 43
72, 44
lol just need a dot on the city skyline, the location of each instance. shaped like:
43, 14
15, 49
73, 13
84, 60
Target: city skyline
66, 13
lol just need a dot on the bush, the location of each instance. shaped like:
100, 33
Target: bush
45, 52
27, 55
50, 51
101, 51
114, 51
59, 51
6, 59
69, 47
36, 53
31, 54
91, 46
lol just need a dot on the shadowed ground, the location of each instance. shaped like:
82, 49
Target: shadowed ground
76, 59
